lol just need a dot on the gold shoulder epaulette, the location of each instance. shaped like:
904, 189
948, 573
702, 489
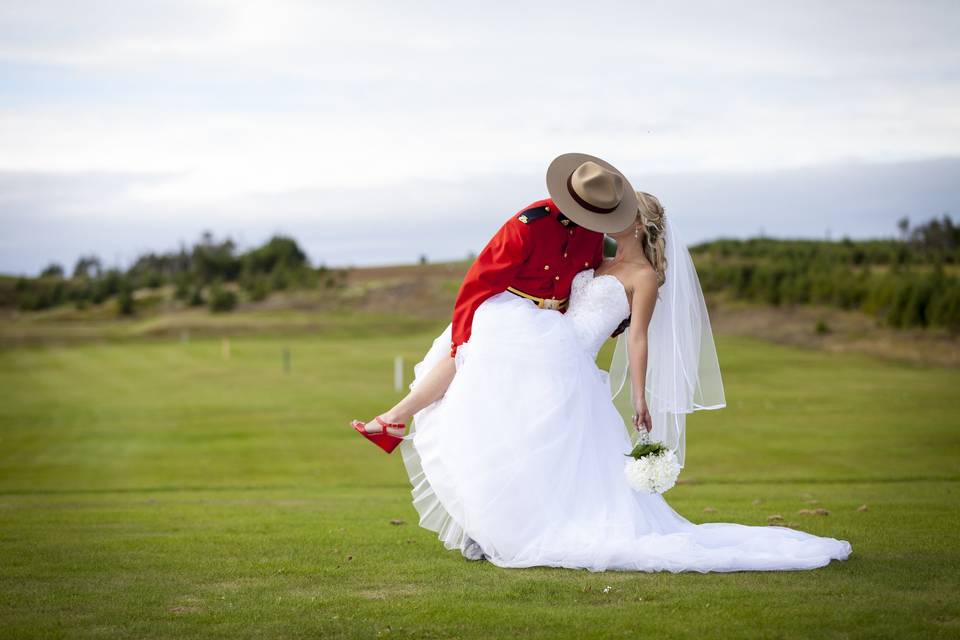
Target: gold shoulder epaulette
534, 213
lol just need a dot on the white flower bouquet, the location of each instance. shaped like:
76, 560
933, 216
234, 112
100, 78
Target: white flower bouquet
652, 468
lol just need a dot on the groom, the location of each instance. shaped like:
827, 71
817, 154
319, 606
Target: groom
537, 252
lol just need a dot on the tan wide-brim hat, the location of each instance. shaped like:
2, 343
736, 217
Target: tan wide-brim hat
591, 192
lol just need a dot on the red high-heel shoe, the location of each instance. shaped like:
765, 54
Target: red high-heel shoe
386, 441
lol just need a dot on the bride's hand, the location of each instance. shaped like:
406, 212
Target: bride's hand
641, 416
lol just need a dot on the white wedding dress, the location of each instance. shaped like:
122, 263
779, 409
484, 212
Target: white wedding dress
524, 454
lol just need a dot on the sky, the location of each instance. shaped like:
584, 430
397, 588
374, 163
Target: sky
377, 132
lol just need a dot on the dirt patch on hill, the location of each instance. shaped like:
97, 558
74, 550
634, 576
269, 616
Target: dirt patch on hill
834, 330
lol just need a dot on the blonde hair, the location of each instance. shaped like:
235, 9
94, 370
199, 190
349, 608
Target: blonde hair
650, 216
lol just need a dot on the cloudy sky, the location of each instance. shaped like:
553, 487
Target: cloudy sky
374, 132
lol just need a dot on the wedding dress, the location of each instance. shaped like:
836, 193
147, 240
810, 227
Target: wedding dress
524, 454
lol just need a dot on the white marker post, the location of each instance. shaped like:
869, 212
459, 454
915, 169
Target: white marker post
398, 373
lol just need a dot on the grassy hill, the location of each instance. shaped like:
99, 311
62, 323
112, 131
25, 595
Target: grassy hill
399, 299
893, 298
379, 299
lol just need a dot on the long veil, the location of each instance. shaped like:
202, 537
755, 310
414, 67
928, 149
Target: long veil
683, 373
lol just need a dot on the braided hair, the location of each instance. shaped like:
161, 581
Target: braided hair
650, 214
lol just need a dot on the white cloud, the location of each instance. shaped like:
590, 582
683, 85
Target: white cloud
240, 105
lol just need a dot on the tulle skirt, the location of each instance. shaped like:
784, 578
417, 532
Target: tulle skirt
524, 455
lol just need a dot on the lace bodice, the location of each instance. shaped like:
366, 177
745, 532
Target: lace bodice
598, 304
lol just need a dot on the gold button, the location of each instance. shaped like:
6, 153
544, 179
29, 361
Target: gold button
547, 209
546, 267
586, 264
571, 231
564, 254
556, 277
523, 219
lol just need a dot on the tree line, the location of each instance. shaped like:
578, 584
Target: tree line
212, 272
910, 281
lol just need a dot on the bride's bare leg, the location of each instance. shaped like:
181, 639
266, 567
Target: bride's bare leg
427, 391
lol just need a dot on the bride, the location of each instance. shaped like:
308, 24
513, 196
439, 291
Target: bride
520, 460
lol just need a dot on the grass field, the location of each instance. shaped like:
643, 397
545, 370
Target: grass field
158, 489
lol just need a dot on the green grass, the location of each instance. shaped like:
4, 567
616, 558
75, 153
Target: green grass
156, 489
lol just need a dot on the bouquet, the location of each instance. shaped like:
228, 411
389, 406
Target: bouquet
652, 468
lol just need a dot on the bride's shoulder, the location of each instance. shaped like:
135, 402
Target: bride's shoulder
643, 278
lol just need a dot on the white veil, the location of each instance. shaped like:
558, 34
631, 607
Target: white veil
683, 373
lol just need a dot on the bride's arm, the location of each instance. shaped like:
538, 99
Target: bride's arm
644, 299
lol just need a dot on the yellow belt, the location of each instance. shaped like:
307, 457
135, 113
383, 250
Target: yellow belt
543, 303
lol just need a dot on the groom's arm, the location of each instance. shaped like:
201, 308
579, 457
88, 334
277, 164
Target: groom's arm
491, 273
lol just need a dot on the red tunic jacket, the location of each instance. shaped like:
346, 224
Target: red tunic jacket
538, 251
